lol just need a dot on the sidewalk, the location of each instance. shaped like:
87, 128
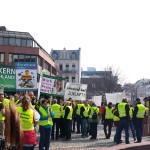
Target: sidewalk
78, 143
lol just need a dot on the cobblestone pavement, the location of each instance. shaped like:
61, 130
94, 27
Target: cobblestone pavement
78, 143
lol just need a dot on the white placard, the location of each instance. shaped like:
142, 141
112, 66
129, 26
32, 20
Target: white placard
75, 91
97, 100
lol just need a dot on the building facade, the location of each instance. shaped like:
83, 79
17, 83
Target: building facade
22, 47
69, 64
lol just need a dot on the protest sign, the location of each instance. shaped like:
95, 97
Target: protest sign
52, 85
97, 100
75, 91
8, 78
26, 76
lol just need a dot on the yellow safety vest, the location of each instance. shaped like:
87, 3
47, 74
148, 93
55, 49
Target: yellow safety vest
93, 109
56, 109
141, 111
6, 102
115, 118
85, 113
2, 117
69, 117
27, 122
131, 112
79, 107
44, 114
121, 109
108, 113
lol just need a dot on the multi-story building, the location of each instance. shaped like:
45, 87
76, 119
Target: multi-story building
22, 47
99, 82
69, 64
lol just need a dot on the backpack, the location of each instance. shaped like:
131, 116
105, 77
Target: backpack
94, 116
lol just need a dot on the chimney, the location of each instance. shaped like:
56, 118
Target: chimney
2, 28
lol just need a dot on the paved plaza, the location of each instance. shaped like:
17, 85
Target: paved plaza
78, 143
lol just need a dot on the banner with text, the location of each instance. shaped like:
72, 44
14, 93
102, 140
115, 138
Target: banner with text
26, 76
75, 91
52, 85
8, 78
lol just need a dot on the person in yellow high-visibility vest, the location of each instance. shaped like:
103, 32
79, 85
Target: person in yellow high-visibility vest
68, 120
108, 120
138, 116
45, 124
27, 122
84, 118
56, 120
2, 118
77, 110
4, 102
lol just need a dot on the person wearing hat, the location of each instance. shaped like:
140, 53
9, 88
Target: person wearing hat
138, 116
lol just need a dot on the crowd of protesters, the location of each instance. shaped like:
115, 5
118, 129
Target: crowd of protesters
59, 119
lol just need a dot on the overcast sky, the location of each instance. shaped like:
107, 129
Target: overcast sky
109, 32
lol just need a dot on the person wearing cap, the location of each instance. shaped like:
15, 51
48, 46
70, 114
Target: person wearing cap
123, 111
108, 120
138, 116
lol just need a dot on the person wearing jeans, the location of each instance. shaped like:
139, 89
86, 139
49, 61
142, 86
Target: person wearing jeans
45, 125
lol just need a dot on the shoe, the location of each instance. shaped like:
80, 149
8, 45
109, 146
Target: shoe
57, 138
78, 132
91, 138
128, 142
67, 139
52, 138
134, 139
137, 142
87, 135
83, 136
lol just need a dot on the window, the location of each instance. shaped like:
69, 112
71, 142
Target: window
15, 58
21, 58
33, 59
18, 42
12, 41
5, 41
67, 67
1, 58
39, 61
1, 40
27, 58
73, 79
61, 67
24, 42
93, 85
47, 66
67, 79
73, 67
29, 43
10, 58
54, 70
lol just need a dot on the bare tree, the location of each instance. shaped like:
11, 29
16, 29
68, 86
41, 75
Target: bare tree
112, 80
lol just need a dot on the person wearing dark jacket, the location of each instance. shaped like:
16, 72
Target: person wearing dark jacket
138, 116
68, 120
123, 110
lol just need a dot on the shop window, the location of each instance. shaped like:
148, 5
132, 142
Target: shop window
21, 58
27, 58
67, 67
39, 61
67, 79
